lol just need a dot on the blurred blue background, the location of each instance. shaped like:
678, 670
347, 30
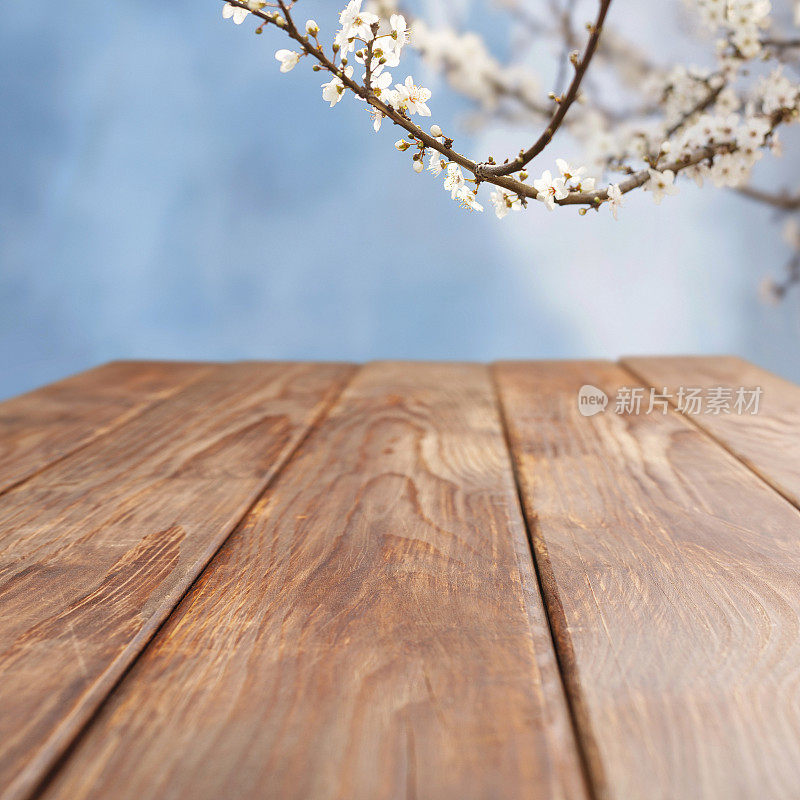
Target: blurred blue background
167, 193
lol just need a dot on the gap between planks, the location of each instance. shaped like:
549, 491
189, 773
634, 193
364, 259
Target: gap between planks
81, 438
791, 497
562, 646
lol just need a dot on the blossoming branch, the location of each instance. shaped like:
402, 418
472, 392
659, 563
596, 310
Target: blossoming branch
702, 124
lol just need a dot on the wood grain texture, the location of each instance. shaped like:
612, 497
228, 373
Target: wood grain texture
43, 426
96, 550
768, 442
672, 577
373, 629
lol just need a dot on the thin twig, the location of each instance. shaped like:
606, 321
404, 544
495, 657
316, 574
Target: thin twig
782, 200
486, 171
699, 107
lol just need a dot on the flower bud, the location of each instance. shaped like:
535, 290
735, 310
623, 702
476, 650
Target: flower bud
402, 145
417, 165
312, 29
436, 131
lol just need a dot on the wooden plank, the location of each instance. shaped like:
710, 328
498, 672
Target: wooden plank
97, 550
768, 442
672, 579
43, 426
372, 631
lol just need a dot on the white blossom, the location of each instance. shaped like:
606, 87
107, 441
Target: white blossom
753, 132
550, 189
355, 24
728, 101
469, 67
739, 20
333, 90
467, 199
400, 32
614, 198
661, 184
504, 202
454, 180
697, 173
568, 172
236, 13
377, 117
747, 42
777, 92
411, 99
380, 82
288, 59
436, 164
729, 170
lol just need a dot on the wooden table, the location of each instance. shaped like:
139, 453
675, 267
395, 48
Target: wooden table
316, 581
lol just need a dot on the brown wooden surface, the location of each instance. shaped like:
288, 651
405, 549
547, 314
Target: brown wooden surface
769, 442
373, 630
43, 426
672, 579
373, 627
96, 550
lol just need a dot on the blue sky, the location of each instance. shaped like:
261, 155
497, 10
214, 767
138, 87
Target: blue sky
167, 193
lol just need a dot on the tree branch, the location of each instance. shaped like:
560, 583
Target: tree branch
365, 94
700, 106
487, 171
782, 200
500, 175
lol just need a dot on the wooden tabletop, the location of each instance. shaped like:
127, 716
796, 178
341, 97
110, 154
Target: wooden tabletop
429, 581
